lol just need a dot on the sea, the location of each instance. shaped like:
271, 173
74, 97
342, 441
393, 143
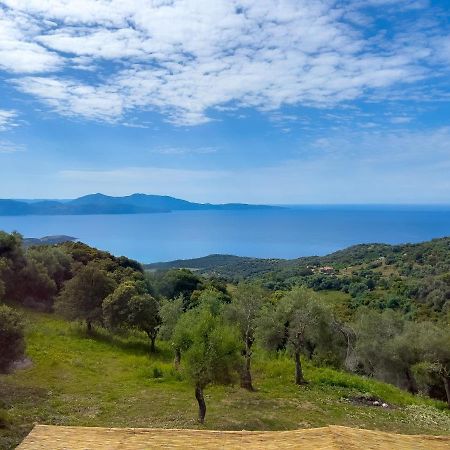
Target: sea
290, 232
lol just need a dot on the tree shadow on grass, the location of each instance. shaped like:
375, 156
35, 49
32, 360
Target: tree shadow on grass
24, 398
130, 342
11, 394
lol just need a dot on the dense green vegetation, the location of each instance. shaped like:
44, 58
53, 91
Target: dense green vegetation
281, 334
411, 278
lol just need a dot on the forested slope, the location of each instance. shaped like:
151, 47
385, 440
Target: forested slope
413, 278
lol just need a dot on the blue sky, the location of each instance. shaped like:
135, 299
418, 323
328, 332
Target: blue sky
288, 101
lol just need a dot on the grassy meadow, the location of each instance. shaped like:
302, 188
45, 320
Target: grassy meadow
112, 381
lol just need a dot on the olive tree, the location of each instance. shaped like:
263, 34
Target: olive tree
244, 310
181, 338
403, 352
435, 346
210, 300
212, 355
373, 331
297, 322
170, 312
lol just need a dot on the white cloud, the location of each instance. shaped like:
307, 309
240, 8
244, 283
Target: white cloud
185, 58
99, 43
7, 119
71, 98
19, 53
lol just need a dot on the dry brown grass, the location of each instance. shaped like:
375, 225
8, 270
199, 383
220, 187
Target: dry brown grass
45, 437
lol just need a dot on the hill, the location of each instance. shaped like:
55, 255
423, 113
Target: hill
111, 381
411, 278
231, 265
48, 240
104, 204
215, 263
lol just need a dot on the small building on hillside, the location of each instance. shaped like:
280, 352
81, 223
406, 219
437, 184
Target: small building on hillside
328, 270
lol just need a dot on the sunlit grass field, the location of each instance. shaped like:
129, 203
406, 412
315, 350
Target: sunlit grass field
112, 381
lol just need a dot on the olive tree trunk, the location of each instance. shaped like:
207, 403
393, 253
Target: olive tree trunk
152, 336
299, 378
446, 380
201, 403
246, 374
411, 382
177, 358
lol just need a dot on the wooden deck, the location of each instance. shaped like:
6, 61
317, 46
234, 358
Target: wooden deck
48, 437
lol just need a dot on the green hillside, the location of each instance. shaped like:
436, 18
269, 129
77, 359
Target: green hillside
423, 253
411, 278
111, 381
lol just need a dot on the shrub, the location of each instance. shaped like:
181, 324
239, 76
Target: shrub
12, 342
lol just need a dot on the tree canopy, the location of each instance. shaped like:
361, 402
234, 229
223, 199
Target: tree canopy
83, 295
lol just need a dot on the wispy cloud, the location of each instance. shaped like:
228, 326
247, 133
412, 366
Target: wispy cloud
10, 147
8, 119
401, 120
185, 150
155, 180
379, 147
72, 98
187, 58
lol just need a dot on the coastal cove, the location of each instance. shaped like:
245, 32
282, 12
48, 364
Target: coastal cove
271, 233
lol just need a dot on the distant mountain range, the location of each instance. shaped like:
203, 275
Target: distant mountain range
104, 204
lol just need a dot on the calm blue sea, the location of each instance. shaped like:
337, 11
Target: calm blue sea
281, 233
